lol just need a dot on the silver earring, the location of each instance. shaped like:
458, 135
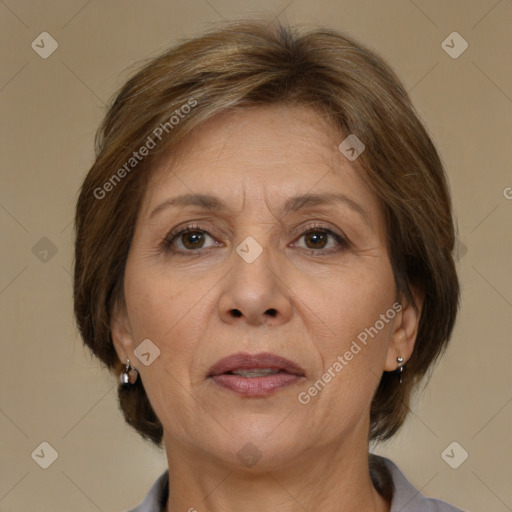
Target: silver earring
129, 376
400, 369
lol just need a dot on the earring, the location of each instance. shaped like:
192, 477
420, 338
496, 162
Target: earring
400, 369
129, 376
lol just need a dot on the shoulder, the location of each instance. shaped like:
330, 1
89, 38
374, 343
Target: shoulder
406, 498
156, 497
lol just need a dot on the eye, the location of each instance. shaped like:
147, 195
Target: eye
317, 238
189, 238
193, 238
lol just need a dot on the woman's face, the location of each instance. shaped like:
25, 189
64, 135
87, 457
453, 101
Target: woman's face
260, 273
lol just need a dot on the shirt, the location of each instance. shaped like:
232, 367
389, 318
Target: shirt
405, 498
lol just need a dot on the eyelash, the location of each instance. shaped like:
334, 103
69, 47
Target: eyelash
174, 234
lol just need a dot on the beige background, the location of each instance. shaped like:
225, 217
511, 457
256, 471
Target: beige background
52, 391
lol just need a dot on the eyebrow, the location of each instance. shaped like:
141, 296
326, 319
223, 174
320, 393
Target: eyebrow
292, 204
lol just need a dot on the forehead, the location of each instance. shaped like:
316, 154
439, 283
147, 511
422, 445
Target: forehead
265, 153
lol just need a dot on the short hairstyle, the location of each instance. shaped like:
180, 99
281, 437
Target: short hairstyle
246, 63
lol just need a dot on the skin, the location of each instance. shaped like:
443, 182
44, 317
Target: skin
314, 456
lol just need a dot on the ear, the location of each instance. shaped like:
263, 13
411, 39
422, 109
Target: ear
405, 331
121, 332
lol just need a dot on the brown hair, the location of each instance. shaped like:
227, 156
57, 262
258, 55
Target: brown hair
250, 63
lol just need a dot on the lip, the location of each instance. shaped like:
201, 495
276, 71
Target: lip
289, 373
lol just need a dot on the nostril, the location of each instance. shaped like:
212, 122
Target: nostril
236, 312
272, 312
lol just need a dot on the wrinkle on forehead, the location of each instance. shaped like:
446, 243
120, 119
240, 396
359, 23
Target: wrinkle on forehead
209, 144
318, 132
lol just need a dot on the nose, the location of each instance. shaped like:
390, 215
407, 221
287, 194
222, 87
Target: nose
256, 293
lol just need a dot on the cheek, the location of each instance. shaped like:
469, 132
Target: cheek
160, 301
351, 339
348, 304
164, 311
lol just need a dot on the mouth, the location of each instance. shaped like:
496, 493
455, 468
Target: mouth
255, 374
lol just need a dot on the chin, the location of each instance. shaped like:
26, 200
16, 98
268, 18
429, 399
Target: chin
257, 443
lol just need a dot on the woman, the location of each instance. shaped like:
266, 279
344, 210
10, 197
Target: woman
264, 256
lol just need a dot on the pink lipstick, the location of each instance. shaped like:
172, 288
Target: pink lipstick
255, 374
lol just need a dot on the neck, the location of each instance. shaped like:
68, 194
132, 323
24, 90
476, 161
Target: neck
331, 479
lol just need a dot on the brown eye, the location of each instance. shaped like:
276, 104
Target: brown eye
192, 239
317, 239
187, 239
